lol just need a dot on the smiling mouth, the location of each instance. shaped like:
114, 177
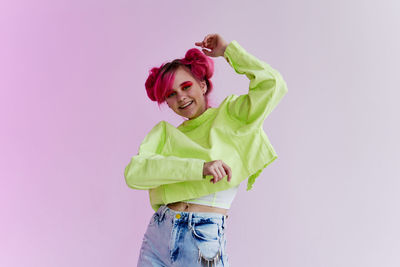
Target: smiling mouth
187, 105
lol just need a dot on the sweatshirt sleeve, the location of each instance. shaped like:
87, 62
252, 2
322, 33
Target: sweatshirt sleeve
266, 88
149, 169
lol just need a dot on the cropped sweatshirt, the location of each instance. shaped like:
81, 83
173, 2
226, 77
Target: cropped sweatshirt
170, 159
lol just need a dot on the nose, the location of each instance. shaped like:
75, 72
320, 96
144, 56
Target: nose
181, 97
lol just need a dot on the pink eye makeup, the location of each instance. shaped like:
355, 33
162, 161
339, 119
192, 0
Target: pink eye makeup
183, 85
186, 84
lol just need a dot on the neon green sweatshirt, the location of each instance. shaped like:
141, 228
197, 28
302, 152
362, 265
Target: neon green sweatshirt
170, 159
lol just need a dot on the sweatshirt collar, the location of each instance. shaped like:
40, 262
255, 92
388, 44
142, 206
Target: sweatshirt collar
189, 124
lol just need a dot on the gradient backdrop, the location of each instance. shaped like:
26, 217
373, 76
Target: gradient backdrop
74, 110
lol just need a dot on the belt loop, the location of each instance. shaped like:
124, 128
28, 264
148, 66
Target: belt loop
162, 213
224, 217
190, 219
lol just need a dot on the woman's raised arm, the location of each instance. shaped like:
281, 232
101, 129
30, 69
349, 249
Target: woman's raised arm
266, 87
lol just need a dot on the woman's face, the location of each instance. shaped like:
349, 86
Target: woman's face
186, 89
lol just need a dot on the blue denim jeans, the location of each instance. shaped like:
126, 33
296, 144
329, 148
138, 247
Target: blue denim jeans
184, 239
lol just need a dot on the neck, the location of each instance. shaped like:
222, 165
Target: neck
200, 113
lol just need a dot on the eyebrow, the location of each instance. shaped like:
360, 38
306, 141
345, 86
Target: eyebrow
183, 84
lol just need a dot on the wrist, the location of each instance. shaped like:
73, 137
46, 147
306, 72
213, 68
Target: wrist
223, 50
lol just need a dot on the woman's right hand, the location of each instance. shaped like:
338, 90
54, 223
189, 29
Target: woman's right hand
215, 43
218, 169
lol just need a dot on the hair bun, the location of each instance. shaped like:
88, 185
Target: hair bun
193, 55
204, 66
153, 74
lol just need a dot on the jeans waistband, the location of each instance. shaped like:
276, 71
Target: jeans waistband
166, 211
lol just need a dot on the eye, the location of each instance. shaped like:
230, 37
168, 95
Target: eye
186, 87
171, 94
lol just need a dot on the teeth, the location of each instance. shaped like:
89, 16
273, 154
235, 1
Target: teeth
186, 104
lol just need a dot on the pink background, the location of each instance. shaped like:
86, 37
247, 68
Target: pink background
73, 111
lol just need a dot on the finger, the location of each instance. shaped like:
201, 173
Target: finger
205, 40
229, 174
210, 44
222, 170
213, 42
228, 170
208, 39
215, 177
199, 44
220, 176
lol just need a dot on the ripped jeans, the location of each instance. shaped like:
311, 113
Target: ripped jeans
182, 239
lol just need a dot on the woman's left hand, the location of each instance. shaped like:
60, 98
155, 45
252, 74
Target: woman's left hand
215, 43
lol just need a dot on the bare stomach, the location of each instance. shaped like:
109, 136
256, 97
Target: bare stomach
192, 207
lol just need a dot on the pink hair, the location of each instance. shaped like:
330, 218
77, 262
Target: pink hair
159, 83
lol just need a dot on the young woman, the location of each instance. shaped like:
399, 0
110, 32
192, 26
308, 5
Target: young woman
184, 167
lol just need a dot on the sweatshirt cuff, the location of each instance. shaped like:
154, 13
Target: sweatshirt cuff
195, 170
230, 51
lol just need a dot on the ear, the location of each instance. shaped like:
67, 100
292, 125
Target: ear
203, 86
